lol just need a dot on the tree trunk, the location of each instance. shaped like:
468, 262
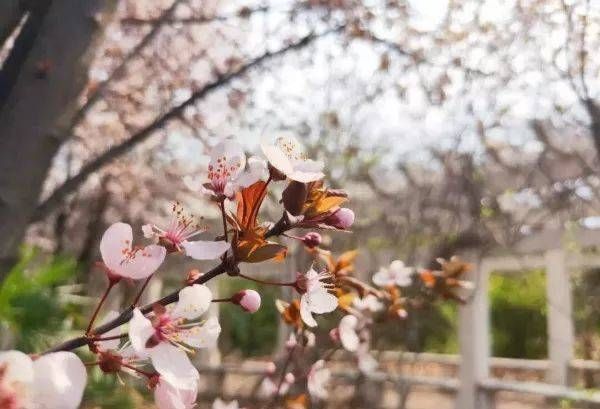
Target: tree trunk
38, 108
594, 113
10, 15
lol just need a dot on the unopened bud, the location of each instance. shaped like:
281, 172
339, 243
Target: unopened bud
249, 300
342, 219
334, 335
271, 367
291, 342
312, 239
290, 378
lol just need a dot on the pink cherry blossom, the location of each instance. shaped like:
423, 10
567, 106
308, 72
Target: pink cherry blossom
318, 380
16, 379
315, 296
269, 385
53, 381
366, 363
368, 303
396, 274
173, 396
228, 171
249, 300
166, 338
176, 237
288, 157
121, 259
347, 330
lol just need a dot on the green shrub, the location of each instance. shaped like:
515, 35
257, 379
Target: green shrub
251, 334
518, 315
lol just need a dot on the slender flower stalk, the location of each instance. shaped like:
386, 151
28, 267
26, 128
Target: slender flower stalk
223, 215
141, 292
111, 284
266, 282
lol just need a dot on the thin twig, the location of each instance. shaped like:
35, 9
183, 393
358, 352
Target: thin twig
139, 295
266, 282
111, 284
223, 215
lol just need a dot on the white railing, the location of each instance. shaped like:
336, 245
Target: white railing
474, 385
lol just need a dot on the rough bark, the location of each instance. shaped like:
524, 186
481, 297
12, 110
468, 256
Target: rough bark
37, 110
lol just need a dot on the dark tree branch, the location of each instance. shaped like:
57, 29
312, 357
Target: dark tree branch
242, 13
120, 69
72, 183
126, 315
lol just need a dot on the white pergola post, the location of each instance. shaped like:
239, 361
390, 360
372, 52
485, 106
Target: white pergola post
474, 341
560, 317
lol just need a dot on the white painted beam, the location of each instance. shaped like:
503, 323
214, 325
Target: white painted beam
560, 317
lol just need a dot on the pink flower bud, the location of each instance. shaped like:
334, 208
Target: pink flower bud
271, 367
312, 239
342, 219
291, 342
290, 378
249, 300
334, 335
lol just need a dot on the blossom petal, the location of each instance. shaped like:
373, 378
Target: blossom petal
174, 365
193, 301
204, 336
19, 367
366, 363
59, 381
306, 313
321, 301
205, 250
348, 335
317, 380
318, 301
169, 396
143, 263
278, 159
382, 278
231, 154
115, 241
140, 330
306, 171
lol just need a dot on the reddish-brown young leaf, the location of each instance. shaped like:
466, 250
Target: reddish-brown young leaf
249, 201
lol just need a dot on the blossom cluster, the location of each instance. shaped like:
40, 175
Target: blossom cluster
154, 343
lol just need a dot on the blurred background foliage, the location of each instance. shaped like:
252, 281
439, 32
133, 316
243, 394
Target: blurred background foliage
518, 314
249, 334
35, 301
